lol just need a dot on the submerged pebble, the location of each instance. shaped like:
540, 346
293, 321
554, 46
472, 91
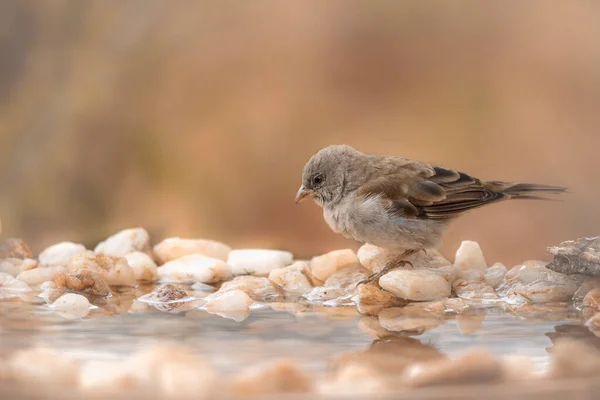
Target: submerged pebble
41, 366
14, 266
72, 305
258, 262
114, 269
275, 378
259, 289
175, 371
231, 300
11, 287
174, 248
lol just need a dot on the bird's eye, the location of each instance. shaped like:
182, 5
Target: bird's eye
317, 179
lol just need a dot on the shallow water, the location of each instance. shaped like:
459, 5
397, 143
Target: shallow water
313, 336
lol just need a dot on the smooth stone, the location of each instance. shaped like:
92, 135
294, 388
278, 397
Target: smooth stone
14, 266
72, 305
37, 276
416, 285
124, 242
143, 266
60, 253
258, 262
470, 256
173, 248
116, 270
294, 280
195, 268
323, 266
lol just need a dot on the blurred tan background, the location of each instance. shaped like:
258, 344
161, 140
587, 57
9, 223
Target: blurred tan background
195, 118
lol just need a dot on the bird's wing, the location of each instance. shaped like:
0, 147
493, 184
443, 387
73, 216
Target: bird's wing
420, 191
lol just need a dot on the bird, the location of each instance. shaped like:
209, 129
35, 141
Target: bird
397, 203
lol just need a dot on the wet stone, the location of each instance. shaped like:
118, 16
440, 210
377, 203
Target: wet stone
532, 282
415, 285
72, 305
259, 289
14, 266
84, 280
293, 280
114, 269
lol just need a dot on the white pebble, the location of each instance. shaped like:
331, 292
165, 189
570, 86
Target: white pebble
416, 285
293, 280
14, 266
323, 266
40, 366
258, 262
60, 253
127, 241
72, 305
143, 266
470, 256
173, 248
195, 268
37, 276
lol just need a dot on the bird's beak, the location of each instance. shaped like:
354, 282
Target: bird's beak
302, 193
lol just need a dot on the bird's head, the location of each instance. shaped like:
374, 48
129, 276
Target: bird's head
325, 175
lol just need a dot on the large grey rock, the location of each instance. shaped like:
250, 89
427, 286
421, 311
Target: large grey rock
581, 256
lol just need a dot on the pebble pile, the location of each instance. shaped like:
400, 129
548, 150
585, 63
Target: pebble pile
69, 279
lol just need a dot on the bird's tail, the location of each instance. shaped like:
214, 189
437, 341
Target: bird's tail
529, 191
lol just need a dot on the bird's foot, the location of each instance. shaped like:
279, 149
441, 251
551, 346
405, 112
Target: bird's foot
374, 277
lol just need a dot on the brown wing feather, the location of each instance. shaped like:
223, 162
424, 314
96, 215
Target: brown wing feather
431, 192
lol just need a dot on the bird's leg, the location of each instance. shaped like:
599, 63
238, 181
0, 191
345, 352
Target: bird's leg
399, 262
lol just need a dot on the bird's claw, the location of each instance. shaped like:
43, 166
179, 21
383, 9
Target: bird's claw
376, 275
